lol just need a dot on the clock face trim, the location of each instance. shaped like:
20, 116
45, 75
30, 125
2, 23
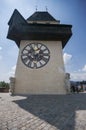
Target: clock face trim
35, 55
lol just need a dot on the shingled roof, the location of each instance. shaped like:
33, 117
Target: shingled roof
21, 29
41, 16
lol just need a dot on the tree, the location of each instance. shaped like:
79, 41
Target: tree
3, 84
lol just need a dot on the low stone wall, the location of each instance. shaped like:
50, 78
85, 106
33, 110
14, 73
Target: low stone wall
4, 90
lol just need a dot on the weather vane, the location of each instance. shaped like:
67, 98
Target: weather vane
46, 8
36, 8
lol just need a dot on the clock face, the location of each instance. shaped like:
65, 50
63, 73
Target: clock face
35, 55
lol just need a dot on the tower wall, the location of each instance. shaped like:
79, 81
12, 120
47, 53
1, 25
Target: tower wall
49, 79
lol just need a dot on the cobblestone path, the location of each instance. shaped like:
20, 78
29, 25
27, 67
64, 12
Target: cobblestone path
43, 112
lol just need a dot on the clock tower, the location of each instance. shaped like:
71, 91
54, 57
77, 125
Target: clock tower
40, 67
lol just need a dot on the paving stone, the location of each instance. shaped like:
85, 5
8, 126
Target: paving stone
43, 112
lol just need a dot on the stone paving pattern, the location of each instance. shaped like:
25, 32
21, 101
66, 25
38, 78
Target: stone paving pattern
43, 112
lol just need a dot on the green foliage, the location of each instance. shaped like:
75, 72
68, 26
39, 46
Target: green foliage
3, 84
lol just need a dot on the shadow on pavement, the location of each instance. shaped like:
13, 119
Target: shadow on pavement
57, 110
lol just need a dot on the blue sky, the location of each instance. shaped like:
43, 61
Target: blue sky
68, 12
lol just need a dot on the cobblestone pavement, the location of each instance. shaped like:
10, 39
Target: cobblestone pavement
43, 112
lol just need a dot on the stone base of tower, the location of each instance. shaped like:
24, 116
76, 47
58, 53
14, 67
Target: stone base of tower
44, 88
49, 79
40, 86
38, 92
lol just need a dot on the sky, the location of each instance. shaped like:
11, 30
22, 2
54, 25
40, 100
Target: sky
71, 12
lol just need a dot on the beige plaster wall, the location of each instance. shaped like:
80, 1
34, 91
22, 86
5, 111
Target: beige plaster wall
49, 79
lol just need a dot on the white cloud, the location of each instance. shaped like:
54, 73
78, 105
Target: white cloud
12, 72
5, 74
67, 57
78, 76
84, 68
0, 48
